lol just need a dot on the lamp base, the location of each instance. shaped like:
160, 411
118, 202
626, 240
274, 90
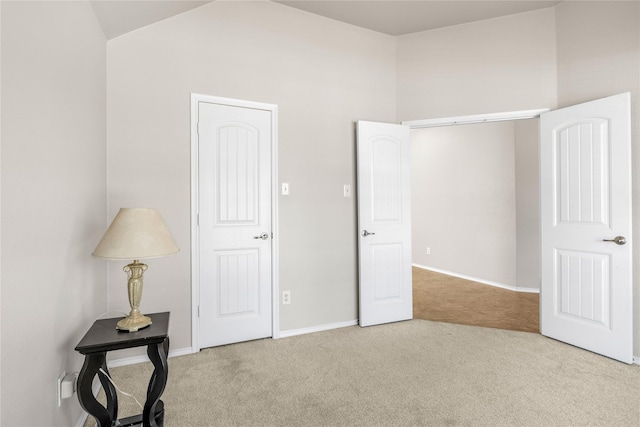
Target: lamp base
133, 322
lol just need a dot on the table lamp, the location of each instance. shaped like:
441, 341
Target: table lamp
135, 233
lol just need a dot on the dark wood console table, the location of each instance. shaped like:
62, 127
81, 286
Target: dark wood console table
103, 337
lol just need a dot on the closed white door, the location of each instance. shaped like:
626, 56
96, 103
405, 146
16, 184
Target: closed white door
384, 223
586, 288
234, 223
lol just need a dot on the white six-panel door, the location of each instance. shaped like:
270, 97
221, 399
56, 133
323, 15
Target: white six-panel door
384, 223
586, 288
234, 223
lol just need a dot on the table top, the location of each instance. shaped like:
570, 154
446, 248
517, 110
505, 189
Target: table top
103, 335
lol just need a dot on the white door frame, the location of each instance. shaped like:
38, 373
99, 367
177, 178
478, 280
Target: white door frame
479, 119
476, 118
195, 247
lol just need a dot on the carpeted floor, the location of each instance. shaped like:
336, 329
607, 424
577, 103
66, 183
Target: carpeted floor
445, 298
414, 373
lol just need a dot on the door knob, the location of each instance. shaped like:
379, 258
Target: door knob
618, 240
365, 233
263, 236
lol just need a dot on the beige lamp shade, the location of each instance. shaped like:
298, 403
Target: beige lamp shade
136, 233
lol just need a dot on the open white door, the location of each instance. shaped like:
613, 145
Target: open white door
384, 222
586, 288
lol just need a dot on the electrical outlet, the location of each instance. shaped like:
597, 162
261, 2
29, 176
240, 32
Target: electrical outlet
286, 297
428, 251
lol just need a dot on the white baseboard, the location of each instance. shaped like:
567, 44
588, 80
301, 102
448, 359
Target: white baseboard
483, 281
125, 361
320, 328
83, 418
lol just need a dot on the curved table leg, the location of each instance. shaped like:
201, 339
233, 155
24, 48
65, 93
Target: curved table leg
158, 355
91, 367
109, 391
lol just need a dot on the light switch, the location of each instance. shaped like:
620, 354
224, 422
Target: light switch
285, 188
347, 190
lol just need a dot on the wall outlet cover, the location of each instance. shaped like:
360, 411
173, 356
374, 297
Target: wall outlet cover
59, 387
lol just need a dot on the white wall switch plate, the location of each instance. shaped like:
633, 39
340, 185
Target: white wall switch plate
285, 188
347, 190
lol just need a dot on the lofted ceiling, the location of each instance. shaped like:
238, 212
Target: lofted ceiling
400, 17
118, 17
394, 17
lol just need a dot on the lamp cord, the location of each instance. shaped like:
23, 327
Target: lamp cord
112, 311
122, 392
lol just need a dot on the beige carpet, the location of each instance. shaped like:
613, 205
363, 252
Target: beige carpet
403, 374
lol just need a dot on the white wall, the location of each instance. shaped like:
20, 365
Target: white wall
526, 134
322, 74
598, 56
463, 200
53, 201
502, 64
